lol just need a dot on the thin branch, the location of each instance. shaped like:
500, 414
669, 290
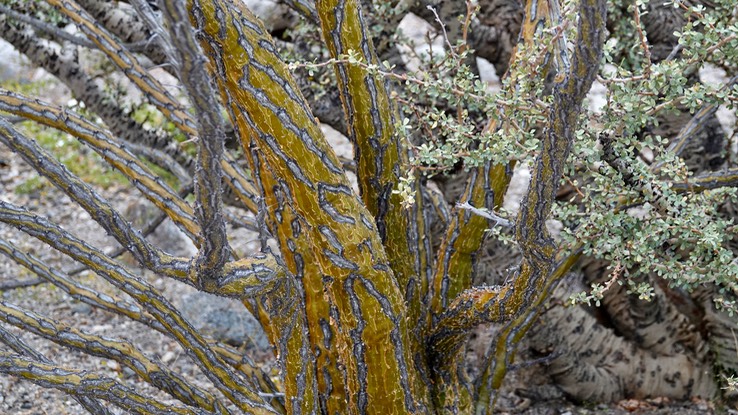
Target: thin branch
115, 305
85, 384
129, 27
163, 160
695, 124
64, 64
628, 172
709, 180
77, 291
451, 49
486, 213
129, 64
17, 345
151, 20
104, 143
644, 41
120, 351
12, 285
306, 8
62, 34
239, 182
98, 208
245, 278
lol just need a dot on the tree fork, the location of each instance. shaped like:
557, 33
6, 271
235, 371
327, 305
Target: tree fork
371, 315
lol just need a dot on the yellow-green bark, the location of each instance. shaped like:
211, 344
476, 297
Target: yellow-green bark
468, 307
371, 331
382, 160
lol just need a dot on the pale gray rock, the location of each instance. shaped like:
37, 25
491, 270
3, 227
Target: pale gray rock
224, 319
275, 16
10, 62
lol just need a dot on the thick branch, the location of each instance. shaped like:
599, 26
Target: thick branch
369, 305
381, 157
502, 351
494, 304
466, 233
296, 332
465, 236
190, 65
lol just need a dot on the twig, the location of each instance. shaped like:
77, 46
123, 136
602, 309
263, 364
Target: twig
644, 42
486, 213
443, 29
674, 52
11, 285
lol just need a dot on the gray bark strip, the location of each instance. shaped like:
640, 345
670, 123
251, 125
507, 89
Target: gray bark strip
190, 65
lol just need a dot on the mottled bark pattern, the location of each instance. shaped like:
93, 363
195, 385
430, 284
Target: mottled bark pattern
382, 160
371, 331
603, 366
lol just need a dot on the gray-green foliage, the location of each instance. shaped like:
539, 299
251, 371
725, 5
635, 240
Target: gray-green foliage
651, 227
644, 226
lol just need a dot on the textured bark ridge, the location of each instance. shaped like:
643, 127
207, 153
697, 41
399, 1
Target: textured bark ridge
364, 306
368, 304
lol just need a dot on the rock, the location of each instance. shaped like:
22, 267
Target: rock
224, 319
275, 16
10, 62
82, 309
112, 365
168, 357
